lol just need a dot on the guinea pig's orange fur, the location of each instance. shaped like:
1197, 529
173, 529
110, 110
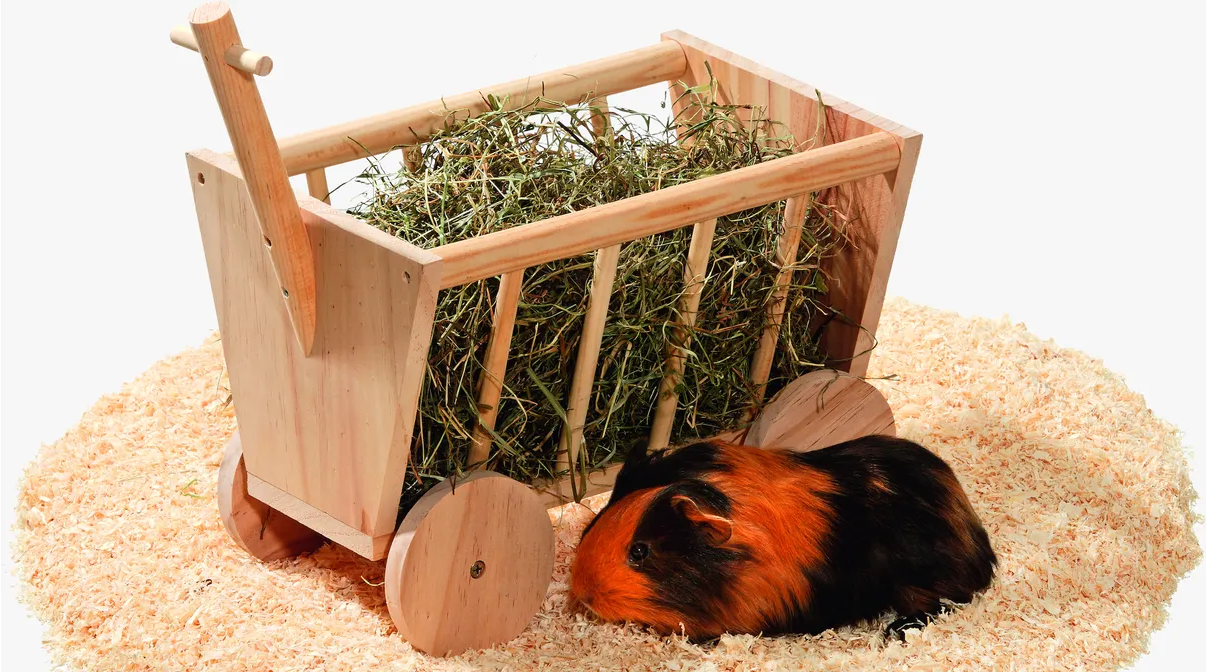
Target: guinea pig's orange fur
784, 535
615, 588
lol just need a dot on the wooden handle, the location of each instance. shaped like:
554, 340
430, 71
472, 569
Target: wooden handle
272, 197
575, 233
236, 56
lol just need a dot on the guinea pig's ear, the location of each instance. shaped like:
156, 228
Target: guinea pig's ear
716, 529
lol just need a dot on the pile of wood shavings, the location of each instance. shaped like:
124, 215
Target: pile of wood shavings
1084, 492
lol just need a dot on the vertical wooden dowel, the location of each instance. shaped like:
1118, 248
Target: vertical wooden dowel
785, 258
412, 156
587, 361
588, 354
316, 184
697, 272
272, 197
494, 368
600, 117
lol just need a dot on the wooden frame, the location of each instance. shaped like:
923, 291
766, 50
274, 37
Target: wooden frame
326, 321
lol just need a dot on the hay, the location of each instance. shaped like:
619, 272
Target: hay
505, 168
1085, 493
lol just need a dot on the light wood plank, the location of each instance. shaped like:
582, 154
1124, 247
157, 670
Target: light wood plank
373, 548
874, 202
279, 220
333, 431
494, 366
601, 77
688, 310
602, 226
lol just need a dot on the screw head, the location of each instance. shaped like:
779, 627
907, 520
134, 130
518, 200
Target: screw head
477, 569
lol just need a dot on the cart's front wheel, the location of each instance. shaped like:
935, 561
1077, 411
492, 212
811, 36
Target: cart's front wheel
262, 531
469, 565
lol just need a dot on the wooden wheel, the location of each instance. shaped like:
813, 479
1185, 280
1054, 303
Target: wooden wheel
821, 409
469, 565
262, 531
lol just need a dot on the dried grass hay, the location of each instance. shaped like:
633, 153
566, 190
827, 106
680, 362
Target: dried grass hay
1085, 493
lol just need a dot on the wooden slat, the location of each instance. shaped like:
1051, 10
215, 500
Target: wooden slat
494, 366
785, 258
875, 202
282, 231
587, 361
601, 77
688, 310
316, 185
332, 431
602, 226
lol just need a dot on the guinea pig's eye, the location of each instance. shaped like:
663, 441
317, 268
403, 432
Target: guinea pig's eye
637, 553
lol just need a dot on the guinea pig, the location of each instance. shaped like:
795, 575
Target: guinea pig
717, 538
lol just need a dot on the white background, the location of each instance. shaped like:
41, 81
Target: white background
1061, 178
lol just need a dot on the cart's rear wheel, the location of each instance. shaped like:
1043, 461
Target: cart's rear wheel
469, 565
262, 531
821, 409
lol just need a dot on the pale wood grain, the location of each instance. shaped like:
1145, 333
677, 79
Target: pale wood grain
264, 532
237, 56
316, 185
282, 231
613, 74
494, 365
333, 431
785, 258
875, 202
688, 310
823, 408
621, 221
434, 599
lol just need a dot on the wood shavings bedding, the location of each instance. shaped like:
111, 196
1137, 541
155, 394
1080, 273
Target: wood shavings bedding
1085, 493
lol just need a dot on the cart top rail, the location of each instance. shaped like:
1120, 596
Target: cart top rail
635, 217
348, 141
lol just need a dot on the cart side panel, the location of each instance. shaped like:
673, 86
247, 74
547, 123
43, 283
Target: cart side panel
325, 437
858, 274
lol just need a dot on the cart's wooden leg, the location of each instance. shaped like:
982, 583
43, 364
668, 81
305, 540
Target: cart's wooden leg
469, 565
821, 409
262, 531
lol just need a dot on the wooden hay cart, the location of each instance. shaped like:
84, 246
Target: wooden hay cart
326, 322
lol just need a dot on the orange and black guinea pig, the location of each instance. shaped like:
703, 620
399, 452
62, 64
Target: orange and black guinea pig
716, 537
